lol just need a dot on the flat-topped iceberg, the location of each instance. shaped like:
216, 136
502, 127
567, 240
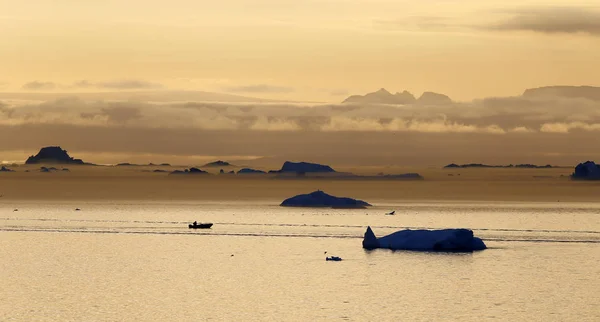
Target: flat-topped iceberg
321, 199
449, 240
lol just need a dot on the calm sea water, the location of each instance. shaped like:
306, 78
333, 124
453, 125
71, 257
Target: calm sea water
139, 262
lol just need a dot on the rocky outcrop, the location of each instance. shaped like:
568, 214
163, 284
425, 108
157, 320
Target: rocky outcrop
52, 155
321, 199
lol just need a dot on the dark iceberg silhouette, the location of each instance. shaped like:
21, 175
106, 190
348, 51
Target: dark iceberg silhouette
218, 163
587, 92
445, 240
303, 167
588, 170
321, 199
189, 171
250, 171
5, 169
53, 154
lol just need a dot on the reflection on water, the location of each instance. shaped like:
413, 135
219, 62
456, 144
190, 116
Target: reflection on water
139, 261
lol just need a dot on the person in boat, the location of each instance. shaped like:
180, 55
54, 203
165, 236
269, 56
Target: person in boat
195, 223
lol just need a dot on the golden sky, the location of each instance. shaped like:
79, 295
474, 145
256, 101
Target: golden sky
301, 50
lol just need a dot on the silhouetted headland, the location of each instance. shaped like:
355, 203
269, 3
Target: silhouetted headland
445, 240
321, 199
53, 155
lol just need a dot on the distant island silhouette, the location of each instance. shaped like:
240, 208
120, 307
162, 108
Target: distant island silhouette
127, 164
382, 96
250, 171
480, 165
218, 163
54, 155
191, 171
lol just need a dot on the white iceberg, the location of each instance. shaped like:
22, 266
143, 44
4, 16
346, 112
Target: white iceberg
449, 240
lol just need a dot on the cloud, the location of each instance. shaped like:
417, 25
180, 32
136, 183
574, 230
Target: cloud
552, 20
498, 116
416, 23
39, 86
566, 127
119, 84
259, 88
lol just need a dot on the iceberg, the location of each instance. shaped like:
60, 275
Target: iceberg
445, 240
321, 199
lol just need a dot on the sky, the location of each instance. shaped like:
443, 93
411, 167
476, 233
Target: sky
71, 74
299, 50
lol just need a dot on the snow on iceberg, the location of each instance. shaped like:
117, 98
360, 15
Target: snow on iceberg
451, 240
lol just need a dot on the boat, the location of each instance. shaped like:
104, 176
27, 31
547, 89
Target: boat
200, 225
333, 258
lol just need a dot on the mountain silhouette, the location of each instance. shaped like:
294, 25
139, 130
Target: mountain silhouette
587, 92
382, 96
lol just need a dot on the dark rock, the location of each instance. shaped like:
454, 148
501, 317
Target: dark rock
53, 154
5, 169
321, 199
250, 171
159, 171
